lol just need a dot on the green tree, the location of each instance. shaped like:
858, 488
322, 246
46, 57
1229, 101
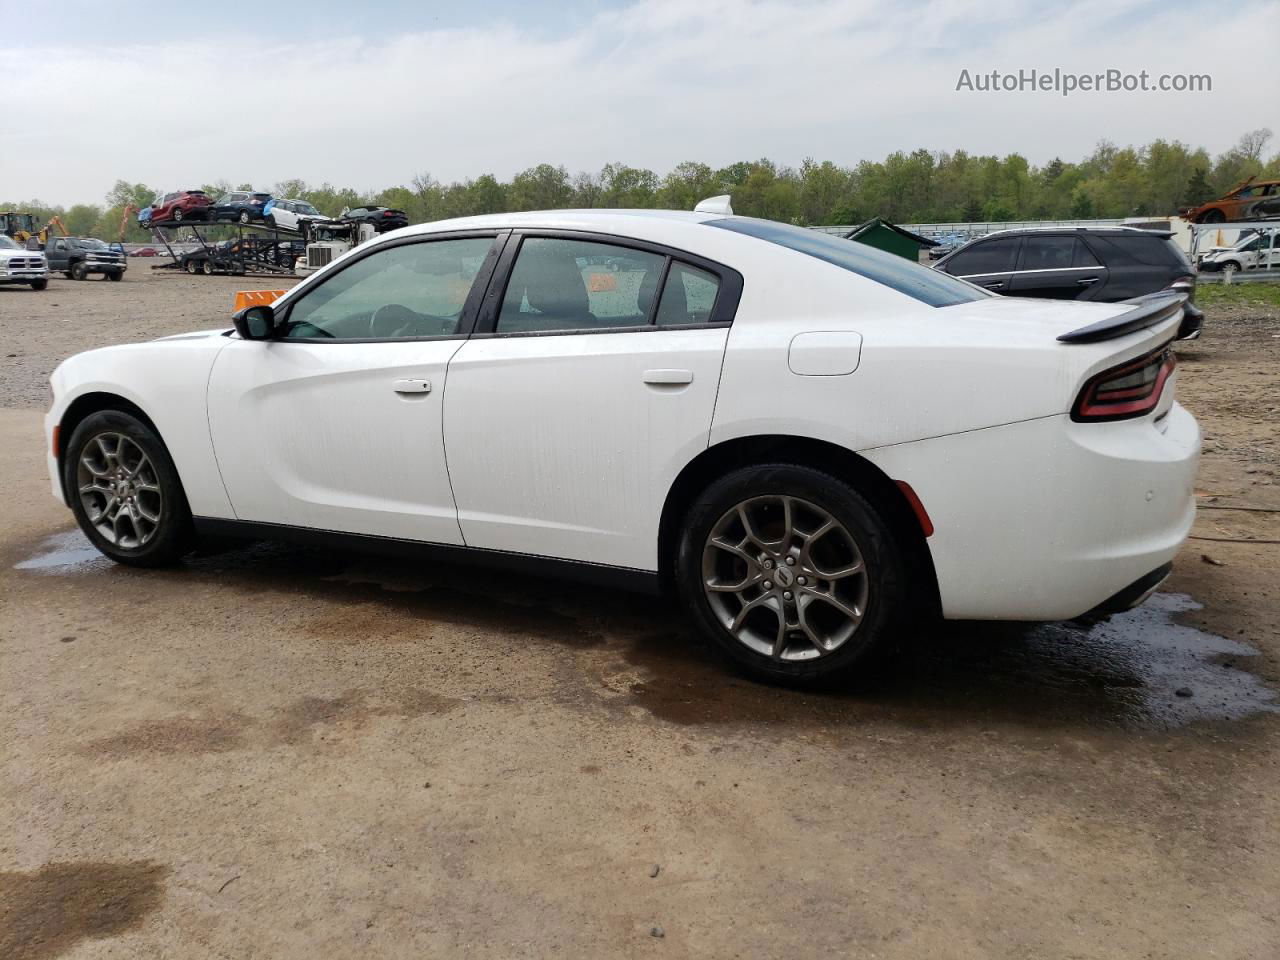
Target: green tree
544, 187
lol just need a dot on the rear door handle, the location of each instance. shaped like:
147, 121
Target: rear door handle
413, 386
668, 376
1085, 281
994, 285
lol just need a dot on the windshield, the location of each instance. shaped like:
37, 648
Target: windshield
933, 287
307, 208
7, 243
88, 243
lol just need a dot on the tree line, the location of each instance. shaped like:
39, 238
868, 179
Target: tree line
917, 187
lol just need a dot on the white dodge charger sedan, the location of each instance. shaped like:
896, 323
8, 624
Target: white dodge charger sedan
810, 440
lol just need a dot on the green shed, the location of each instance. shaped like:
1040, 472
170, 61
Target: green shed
884, 235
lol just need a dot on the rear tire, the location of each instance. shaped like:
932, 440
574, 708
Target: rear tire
1213, 216
207, 266
125, 492
177, 215
192, 267
822, 580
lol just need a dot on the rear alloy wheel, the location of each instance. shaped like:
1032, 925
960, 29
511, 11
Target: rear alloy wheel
192, 267
125, 492
791, 572
207, 266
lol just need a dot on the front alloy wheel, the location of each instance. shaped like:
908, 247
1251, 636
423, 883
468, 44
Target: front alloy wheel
119, 490
124, 490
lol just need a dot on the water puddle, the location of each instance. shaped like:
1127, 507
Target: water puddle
69, 552
1140, 670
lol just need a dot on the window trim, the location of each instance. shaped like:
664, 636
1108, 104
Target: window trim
723, 311
470, 308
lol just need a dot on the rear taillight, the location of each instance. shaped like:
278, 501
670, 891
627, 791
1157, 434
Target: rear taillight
1130, 390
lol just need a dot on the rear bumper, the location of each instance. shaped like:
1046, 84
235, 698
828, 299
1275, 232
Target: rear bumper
1049, 519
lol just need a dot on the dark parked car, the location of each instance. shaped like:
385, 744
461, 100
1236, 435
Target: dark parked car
242, 256
245, 206
382, 218
1108, 264
78, 257
177, 207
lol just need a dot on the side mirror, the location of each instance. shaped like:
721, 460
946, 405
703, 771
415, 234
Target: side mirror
255, 323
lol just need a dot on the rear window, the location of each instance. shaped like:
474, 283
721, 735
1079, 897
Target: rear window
1134, 249
915, 281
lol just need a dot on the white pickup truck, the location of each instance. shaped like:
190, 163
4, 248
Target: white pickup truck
18, 265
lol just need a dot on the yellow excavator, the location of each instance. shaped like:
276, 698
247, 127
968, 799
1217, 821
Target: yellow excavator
19, 226
22, 227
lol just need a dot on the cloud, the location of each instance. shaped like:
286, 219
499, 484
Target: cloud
651, 83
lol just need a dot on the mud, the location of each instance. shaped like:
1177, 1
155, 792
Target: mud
45, 913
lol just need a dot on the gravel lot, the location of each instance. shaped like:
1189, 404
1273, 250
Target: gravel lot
273, 752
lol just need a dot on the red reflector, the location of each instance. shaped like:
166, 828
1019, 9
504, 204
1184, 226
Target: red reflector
57, 431
926, 525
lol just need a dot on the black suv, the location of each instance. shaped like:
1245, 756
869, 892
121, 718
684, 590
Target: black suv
1107, 264
382, 218
242, 205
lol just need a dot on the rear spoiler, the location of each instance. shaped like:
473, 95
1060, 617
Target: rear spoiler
1149, 311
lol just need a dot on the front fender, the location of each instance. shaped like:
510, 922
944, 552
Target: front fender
168, 381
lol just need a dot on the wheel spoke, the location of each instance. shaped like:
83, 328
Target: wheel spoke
851, 612
765, 600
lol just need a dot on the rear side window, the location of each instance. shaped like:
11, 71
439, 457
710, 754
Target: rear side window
687, 296
920, 283
560, 284
1128, 250
985, 256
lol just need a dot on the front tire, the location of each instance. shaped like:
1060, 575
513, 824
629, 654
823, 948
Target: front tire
79, 271
116, 275
125, 492
39, 284
244, 216
791, 573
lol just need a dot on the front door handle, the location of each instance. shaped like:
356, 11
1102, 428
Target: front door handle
668, 377
413, 386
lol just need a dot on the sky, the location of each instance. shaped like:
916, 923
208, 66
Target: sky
370, 94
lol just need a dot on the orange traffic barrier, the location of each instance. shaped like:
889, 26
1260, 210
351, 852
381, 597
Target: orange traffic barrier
253, 298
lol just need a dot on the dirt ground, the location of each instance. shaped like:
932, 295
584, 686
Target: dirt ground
273, 752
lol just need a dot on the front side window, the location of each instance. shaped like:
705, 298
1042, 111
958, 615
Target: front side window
562, 284
410, 290
987, 256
